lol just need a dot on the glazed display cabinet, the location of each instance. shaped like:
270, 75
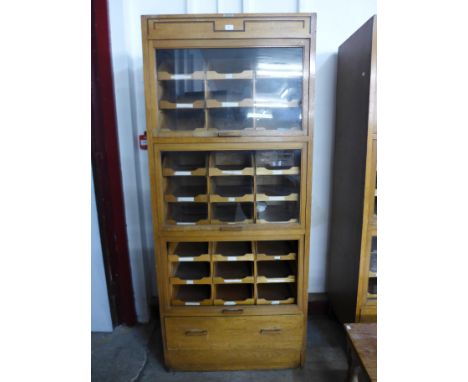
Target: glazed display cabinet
230, 119
352, 277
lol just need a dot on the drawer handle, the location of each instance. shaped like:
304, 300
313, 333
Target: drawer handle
196, 332
232, 311
270, 331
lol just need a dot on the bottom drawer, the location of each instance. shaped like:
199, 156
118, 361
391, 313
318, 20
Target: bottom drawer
229, 333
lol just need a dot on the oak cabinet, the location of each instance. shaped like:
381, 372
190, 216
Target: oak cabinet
229, 119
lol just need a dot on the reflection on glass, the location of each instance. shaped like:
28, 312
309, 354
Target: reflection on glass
245, 89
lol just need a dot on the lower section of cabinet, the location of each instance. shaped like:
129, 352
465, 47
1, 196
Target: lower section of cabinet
234, 343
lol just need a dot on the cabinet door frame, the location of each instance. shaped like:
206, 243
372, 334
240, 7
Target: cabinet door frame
159, 213
152, 106
164, 285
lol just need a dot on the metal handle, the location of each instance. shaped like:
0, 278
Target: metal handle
196, 332
270, 331
232, 311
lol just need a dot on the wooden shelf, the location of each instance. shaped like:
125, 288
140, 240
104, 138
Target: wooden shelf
184, 164
186, 189
231, 163
182, 213
191, 295
277, 212
243, 75
182, 104
232, 189
187, 273
275, 272
277, 188
189, 252
276, 250
236, 272
234, 294
165, 76
275, 294
233, 251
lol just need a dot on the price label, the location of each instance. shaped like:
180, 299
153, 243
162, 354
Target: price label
275, 303
185, 199
229, 27
189, 282
192, 303
228, 75
184, 106
232, 258
181, 259
181, 76
231, 199
229, 303
230, 104
233, 281
277, 172
277, 198
232, 172
277, 257
182, 173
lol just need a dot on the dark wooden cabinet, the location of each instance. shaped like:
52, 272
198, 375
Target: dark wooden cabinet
352, 268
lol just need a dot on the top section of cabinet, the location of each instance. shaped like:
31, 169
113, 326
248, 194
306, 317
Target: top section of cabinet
294, 25
240, 82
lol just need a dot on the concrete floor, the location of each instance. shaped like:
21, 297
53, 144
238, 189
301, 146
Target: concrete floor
135, 354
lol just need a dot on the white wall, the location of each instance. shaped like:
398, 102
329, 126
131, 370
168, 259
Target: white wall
100, 312
337, 20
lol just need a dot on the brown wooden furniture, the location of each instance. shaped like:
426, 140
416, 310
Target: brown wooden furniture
362, 352
230, 120
352, 272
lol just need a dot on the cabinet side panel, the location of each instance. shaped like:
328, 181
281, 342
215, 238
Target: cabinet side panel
352, 108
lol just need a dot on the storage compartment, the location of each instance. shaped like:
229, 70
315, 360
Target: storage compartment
276, 271
185, 189
180, 120
230, 118
187, 213
277, 250
277, 187
183, 163
233, 272
233, 251
372, 289
231, 188
190, 273
279, 119
189, 94
191, 295
231, 163
234, 294
231, 213
277, 212
279, 162
276, 293
188, 251
230, 93
179, 64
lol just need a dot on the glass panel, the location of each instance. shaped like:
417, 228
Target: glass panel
202, 91
231, 187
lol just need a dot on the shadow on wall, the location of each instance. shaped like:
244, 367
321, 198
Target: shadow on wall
325, 89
